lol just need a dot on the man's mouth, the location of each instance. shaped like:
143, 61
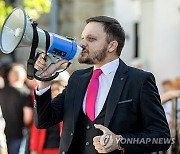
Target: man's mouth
84, 51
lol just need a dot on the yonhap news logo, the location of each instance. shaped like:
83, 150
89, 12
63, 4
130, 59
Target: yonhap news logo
146, 141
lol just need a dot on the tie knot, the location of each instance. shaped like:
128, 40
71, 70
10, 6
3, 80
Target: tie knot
96, 73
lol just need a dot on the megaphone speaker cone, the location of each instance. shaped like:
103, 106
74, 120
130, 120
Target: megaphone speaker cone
13, 30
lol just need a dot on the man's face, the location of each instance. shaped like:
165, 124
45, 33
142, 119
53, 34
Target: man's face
94, 44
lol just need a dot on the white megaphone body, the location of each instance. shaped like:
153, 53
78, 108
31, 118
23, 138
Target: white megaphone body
19, 30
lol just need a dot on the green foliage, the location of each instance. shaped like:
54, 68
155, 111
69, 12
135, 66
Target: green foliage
4, 11
34, 8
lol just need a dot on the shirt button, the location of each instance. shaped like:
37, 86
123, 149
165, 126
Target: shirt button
71, 134
87, 143
87, 127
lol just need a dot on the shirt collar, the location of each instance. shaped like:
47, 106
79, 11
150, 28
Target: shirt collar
110, 67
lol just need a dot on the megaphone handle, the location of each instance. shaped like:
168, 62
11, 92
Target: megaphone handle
51, 77
47, 79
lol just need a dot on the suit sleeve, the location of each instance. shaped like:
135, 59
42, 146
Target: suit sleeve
155, 135
49, 112
46, 112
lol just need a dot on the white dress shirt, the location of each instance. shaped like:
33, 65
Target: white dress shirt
105, 82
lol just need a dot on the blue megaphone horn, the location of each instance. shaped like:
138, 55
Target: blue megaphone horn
19, 30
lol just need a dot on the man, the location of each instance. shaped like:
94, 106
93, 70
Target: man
15, 101
126, 106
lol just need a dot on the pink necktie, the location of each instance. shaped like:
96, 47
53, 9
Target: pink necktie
91, 95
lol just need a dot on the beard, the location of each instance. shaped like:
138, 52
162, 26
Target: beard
99, 56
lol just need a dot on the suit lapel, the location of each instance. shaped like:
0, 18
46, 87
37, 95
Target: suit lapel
115, 91
82, 83
113, 95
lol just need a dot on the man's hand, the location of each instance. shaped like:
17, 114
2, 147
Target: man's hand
41, 65
107, 142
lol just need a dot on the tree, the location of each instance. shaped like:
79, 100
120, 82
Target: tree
34, 8
5, 9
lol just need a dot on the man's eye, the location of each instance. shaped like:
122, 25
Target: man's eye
91, 39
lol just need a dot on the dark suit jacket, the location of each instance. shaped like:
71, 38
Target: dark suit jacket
133, 108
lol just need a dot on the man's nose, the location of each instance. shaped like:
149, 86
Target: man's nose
82, 43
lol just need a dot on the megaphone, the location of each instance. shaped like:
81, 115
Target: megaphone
19, 30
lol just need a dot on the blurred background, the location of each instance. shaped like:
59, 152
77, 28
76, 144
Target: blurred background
152, 30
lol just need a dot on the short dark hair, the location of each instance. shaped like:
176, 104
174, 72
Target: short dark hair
113, 30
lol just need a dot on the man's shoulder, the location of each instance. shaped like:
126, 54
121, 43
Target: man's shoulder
139, 73
132, 71
82, 71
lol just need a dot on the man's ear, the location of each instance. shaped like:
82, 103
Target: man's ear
112, 46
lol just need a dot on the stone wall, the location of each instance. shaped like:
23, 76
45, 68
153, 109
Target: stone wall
72, 16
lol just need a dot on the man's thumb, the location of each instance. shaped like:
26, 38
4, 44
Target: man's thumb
102, 128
